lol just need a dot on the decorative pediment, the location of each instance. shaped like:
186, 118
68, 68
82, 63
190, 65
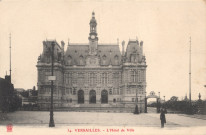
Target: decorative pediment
92, 61
152, 95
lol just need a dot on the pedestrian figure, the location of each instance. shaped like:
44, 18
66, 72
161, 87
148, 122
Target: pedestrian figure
162, 118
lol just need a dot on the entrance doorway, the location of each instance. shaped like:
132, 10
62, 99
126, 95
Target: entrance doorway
92, 97
104, 97
80, 97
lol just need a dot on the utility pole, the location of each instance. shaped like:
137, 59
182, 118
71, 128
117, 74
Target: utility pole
10, 54
190, 75
51, 122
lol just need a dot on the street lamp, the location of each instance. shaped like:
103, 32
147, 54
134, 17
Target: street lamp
52, 78
145, 110
140, 104
136, 106
158, 103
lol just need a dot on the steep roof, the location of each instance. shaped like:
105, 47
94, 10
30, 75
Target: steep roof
108, 54
134, 51
74, 52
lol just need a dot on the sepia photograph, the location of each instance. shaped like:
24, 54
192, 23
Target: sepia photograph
103, 67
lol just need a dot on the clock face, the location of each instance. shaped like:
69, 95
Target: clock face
92, 36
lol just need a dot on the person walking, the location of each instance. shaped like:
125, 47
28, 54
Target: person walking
162, 118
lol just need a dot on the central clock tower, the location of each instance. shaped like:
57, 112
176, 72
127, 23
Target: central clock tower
93, 39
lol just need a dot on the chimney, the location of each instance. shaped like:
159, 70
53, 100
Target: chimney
62, 44
141, 47
141, 51
123, 43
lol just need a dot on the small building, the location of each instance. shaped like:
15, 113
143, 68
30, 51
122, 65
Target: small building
6, 94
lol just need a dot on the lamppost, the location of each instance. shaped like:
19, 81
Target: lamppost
145, 110
190, 103
158, 103
136, 106
140, 104
52, 78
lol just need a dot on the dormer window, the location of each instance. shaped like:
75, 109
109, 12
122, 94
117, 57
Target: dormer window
104, 59
116, 59
70, 60
81, 60
132, 58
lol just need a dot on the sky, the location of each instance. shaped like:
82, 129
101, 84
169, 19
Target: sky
165, 27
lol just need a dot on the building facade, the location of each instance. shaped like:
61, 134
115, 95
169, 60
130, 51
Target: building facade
93, 76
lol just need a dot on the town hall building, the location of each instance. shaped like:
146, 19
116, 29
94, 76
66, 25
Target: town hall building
93, 76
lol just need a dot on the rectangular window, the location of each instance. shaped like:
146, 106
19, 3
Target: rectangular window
114, 91
104, 78
74, 91
139, 76
63, 90
116, 77
69, 79
121, 91
110, 78
67, 91
118, 91
134, 76
142, 75
74, 78
80, 78
92, 79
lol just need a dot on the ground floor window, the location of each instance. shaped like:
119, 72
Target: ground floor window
114, 100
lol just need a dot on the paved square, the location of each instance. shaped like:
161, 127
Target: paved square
36, 122
101, 119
